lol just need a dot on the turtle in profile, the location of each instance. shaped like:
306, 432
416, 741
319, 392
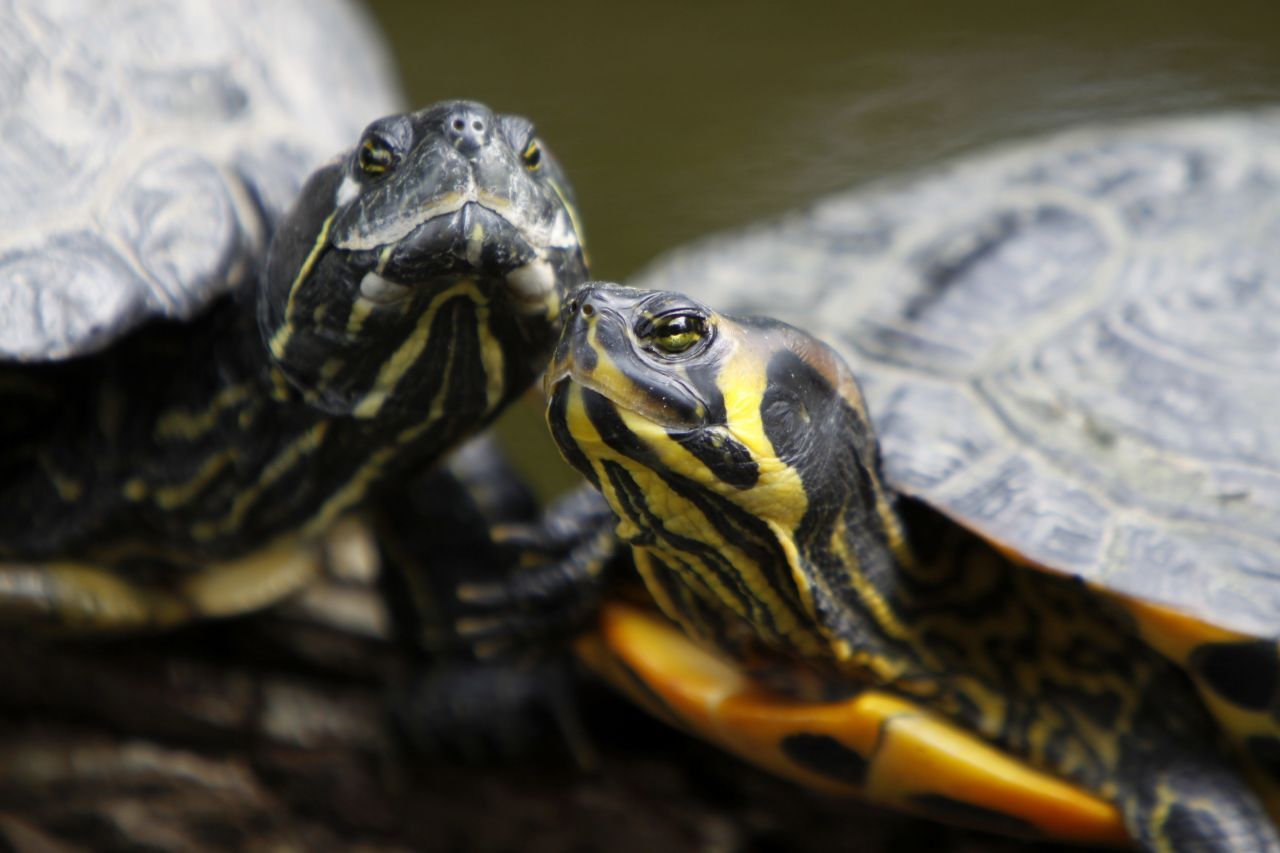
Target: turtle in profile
195, 384
1044, 518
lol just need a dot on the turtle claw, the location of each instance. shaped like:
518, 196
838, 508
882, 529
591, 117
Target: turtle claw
491, 592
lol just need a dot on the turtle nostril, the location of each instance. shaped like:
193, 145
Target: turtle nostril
467, 128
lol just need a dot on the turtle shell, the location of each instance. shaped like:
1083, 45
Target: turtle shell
1070, 345
149, 147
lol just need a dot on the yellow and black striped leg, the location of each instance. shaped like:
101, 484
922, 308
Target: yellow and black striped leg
491, 596
78, 597
1200, 804
1239, 679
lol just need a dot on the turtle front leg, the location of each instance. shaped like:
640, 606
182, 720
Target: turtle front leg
1197, 806
480, 572
490, 591
83, 597
565, 560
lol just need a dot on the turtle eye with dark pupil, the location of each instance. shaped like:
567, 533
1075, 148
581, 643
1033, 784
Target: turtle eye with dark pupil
677, 333
375, 157
532, 155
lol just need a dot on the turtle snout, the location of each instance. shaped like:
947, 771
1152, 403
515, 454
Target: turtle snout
581, 303
602, 297
468, 127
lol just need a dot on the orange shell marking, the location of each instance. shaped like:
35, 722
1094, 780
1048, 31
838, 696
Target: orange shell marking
906, 756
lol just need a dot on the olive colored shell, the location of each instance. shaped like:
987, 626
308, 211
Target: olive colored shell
1071, 345
148, 146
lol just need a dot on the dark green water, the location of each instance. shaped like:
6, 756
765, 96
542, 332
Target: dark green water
681, 118
677, 119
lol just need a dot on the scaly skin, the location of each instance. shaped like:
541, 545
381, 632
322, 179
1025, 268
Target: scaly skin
740, 460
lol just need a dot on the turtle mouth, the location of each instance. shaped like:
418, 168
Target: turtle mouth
655, 408
468, 239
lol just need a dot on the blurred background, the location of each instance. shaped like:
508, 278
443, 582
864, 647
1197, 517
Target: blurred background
675, 119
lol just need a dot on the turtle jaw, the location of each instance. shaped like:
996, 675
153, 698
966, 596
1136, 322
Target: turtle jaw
463, 293
476, 242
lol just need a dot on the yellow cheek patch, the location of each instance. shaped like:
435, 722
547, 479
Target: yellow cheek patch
778, 496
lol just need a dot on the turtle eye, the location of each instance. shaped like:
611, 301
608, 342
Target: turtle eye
677, 333
532, 155
376, 156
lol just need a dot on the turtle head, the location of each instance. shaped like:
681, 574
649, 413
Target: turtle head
728, 447
424, 268
734, 405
